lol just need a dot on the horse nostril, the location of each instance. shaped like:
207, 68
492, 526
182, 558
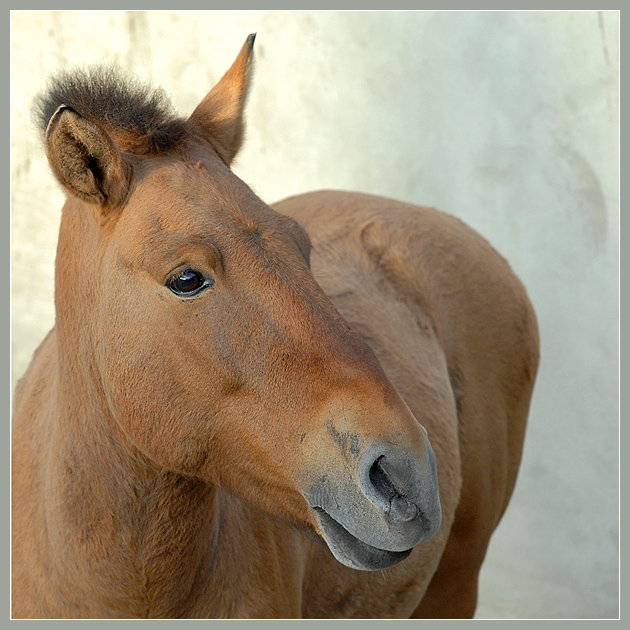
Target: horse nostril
380, 480
398, 506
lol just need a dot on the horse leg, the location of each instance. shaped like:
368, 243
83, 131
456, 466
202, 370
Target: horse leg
452, 592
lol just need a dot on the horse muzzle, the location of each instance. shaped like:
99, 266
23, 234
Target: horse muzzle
372, 519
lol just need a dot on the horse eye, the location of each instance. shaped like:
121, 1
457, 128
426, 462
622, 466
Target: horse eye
188, 282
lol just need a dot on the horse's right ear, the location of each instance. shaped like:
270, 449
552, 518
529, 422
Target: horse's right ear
220, 114
85, 158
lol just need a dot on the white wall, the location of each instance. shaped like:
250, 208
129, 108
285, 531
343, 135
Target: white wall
507, 120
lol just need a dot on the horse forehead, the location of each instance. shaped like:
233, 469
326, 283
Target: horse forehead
186, 192
180, 206
169, 183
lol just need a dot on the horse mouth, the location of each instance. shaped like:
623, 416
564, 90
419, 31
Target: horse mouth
351, 551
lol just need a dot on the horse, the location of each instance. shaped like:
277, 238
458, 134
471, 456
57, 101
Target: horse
311, 409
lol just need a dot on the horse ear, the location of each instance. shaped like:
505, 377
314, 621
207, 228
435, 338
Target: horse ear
220, 114
85, 158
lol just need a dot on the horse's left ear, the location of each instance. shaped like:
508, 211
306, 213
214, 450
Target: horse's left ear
220, 114
85, 159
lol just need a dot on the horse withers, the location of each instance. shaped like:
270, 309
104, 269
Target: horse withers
236, 417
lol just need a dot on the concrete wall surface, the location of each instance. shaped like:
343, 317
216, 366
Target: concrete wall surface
508, 120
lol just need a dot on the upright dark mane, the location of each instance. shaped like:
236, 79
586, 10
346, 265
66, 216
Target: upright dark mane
120, 104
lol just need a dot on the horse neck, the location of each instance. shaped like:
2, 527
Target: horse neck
118, 524
87, 435
126, 537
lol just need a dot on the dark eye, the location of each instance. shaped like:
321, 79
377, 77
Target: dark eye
188, 282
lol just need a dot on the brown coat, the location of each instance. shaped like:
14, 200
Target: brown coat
314, 410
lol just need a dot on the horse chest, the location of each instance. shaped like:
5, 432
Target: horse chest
364, 598
332, 591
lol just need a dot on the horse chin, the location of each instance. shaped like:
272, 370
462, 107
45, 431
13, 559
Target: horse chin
351, 551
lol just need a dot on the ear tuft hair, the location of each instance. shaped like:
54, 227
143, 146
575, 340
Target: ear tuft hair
139, 117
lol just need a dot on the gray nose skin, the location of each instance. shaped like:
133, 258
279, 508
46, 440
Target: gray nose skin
375, 520
401, 486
